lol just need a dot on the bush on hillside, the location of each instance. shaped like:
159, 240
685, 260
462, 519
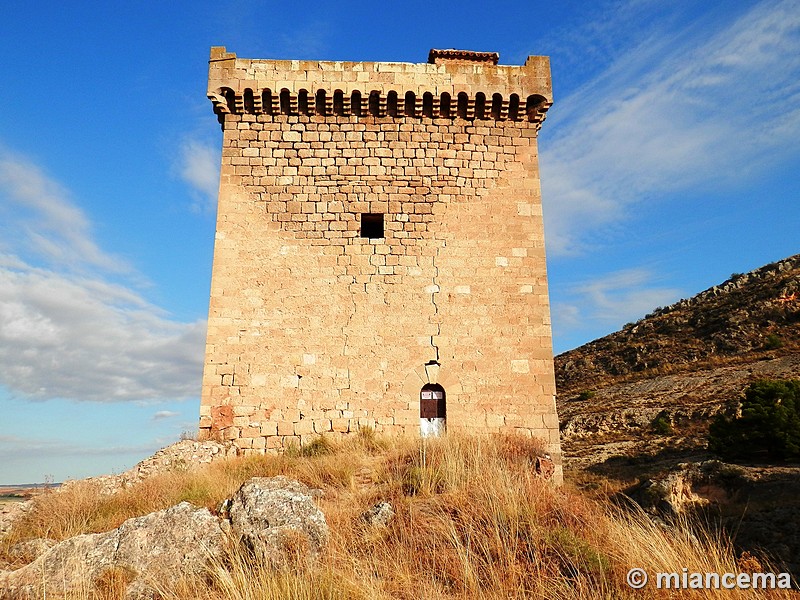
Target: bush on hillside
773, 342
662, 424
768, 424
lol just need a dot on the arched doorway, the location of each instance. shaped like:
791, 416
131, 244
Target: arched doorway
432, 410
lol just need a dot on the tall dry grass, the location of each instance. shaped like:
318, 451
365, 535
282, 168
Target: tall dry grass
472, 520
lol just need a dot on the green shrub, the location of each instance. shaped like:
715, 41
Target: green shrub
319, 446
773, 342
769, 423
586, 395
661, 424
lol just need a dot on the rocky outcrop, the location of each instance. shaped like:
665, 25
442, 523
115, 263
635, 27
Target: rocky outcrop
10, 512
690, 401
757, 505
160, 547
379, 515
749, 317
688, 488
275, 518
180, 456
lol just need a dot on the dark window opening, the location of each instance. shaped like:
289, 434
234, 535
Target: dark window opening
480, 105
461, 108
411, 105
321, 102
375, 104
230, 99
497, 106
534, 104
427, 105
513, 107
444, 107
285, 103
266, 101
372, 225
338, 103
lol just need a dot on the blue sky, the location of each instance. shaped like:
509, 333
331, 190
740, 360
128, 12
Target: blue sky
669, 161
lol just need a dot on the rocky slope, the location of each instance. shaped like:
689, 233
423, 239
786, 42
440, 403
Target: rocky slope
685, 362
749, 317
635, 406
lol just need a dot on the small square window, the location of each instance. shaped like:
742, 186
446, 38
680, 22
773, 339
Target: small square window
371, 225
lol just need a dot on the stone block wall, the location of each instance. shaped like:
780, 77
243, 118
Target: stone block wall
319, 322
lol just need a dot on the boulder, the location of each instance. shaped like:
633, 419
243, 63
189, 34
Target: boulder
29, 550
161, 547
379, 515
10, 512
277, 520
689, 487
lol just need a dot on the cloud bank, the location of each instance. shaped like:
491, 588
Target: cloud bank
67, 329
712, 109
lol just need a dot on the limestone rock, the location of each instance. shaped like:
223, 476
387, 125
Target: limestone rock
162, 546
689, 487
277, 519
180, 456
10, 512
380, 514
29, 550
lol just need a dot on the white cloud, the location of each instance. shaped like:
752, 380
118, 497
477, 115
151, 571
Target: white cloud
40, 219
613, 299
199, 167
165, 414
66, 330
86, 339
700, 110
14, 447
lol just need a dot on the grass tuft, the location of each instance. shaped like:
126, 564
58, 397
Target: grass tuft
472, 520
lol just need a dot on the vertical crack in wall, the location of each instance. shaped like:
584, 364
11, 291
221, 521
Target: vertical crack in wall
434, 291
346, 329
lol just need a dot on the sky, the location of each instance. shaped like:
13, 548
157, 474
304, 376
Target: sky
669, 160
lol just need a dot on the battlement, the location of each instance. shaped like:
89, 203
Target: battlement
452, 84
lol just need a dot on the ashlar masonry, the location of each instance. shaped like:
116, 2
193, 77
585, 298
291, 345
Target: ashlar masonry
379, 257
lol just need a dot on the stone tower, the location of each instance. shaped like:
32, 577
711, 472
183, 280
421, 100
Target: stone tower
379, 256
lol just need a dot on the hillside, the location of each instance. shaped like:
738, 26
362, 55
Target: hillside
635, 405
687, 362
750, 317
363, 517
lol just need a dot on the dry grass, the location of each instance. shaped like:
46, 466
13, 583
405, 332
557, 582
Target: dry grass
472, 521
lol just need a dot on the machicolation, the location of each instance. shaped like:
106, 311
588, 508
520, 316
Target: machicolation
379, 257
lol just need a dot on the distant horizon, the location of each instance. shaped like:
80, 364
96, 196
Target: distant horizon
27, 486
668, 161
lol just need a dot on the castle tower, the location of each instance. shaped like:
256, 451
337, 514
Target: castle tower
379, 256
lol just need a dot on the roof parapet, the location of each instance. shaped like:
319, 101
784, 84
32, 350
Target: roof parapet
453, 84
